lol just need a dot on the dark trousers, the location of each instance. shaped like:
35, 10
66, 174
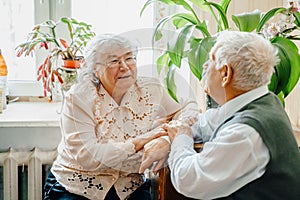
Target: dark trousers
55, 191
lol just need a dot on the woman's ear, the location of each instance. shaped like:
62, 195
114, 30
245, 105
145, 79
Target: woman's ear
95, 74
226, 74
97, 71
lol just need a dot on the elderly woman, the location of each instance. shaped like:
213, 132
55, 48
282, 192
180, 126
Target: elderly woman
108, 117
250, 151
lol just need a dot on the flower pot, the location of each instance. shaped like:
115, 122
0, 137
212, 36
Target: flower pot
72, 64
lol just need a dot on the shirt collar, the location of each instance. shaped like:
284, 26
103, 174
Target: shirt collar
232, 106
109, 100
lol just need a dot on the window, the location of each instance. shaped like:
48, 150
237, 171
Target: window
111, 16
17, 19
121, 17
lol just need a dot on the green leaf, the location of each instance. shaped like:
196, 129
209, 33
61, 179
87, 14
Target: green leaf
158, 35
281, 97
181, 19
176, 46
273, 83
267, 16
201, 4
49, 24
146, 5
282, 70
83, 24
74, 21
193, 58
297, 18
202, 27
184, 4
293, 61
223, 23
65, 20
157, 32
199, 53
225, 4
169, 2
162, 62
247, 21
170, 82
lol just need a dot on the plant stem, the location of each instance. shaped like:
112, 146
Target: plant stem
54, 36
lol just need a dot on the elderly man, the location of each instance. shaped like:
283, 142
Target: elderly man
250, 151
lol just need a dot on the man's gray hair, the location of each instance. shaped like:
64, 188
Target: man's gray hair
251, 57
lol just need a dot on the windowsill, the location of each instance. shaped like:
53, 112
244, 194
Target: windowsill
31, 114
26, 125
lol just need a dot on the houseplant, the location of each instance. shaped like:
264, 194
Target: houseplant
193, 40
46, 36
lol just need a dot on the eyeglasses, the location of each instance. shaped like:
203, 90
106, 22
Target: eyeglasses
115, 63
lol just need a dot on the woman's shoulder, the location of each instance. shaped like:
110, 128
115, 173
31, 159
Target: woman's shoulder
84, 89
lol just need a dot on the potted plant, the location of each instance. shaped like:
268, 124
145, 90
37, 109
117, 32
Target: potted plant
46, 36
193, 40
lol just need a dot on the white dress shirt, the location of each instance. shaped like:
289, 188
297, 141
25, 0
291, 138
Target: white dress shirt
96, 151
235, 157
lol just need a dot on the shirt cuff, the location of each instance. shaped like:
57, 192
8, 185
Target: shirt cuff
166, 138
181, 145
182, 140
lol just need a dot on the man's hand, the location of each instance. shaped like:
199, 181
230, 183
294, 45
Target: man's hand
176, 127
156, 150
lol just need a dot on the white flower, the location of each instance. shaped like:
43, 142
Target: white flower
271, 30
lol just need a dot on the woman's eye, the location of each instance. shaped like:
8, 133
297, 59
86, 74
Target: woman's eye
129, 59
114, 62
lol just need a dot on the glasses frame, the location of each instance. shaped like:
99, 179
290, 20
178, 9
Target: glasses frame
116, 63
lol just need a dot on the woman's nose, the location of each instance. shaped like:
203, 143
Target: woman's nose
123, 65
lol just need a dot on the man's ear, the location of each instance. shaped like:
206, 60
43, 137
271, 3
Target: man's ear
226, 74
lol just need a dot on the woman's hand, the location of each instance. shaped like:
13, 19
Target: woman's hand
139, 143
156, 150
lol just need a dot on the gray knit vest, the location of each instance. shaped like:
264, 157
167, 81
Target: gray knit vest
281, 179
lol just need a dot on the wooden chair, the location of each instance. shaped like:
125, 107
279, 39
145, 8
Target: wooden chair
165, 187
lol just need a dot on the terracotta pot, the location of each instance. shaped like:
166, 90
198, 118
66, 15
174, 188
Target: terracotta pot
72, 64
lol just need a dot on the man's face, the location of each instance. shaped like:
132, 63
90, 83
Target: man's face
212, 81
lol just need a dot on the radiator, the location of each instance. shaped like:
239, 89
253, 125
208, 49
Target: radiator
34, 161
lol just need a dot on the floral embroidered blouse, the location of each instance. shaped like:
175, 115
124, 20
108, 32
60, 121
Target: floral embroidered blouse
96, 151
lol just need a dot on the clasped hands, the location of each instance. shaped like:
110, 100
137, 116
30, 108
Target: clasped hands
156, 151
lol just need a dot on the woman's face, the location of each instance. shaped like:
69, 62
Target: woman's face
117, 70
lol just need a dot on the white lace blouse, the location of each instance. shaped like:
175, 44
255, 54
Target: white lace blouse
96, 151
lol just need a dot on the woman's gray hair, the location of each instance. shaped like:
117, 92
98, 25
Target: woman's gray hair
99, 46
251, 57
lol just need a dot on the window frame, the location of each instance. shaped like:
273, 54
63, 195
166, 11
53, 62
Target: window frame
43, 10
